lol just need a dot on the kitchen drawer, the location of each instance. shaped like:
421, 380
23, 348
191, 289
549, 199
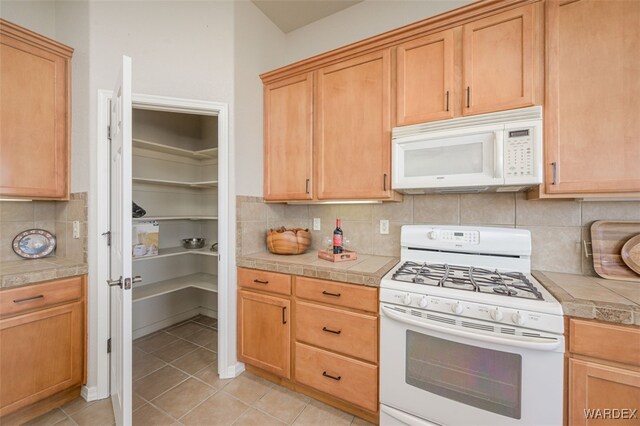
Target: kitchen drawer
605, 341
264, 280
337, 375
347, 295
338, 330
38, 296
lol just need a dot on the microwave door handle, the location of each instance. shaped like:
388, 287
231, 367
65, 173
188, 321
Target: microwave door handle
514, 342
498, 154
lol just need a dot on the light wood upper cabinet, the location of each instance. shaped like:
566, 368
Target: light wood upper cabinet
353, 129
264, 330
592, 123
425, 79
35, 114
288, 139
498, 62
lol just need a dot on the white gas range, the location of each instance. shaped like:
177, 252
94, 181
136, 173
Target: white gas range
468, 336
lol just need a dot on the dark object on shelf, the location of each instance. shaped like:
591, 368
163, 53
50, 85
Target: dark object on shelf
138, 211
214, 247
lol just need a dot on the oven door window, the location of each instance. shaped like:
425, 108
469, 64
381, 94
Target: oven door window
479, 377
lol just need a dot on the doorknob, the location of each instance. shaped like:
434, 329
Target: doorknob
117, 282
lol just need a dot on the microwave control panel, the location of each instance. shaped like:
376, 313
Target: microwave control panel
518, 153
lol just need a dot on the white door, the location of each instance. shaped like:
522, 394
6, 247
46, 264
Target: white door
120, 262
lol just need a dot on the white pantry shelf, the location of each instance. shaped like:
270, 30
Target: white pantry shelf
178, 251
203, 184
168, 149
200, 280
146, 218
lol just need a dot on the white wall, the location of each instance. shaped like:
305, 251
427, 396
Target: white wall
38, 16
259, 47
363, 20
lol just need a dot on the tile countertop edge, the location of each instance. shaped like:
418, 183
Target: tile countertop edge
46, 274
327, 272
618, 313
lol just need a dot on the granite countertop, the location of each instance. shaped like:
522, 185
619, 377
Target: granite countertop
366, 270
593, 297
22, 272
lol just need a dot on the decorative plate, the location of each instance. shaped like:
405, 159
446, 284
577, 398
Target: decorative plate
34, 243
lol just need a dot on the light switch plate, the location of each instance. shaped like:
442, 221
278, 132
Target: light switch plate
316, 223
384, 226
76, 229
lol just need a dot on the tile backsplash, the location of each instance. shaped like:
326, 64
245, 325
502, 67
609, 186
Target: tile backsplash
56, 217
558, 227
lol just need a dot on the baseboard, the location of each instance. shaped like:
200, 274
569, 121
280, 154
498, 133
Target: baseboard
212, 313
233, 371
91, 393
148, 329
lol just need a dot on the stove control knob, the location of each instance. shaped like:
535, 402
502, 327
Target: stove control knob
496, 314
457, 308
423, 302
518, 318
432, 235
406, 299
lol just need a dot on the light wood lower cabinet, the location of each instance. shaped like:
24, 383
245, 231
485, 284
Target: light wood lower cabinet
315, 336
604, 374
41, 344
264, 331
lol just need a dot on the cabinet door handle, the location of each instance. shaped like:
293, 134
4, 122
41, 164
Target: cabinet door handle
29, 299
306, 188
447, 104
257, 281
325, 374
328, 330
384, 182
555, 172
468, 97
284, 317
326, 293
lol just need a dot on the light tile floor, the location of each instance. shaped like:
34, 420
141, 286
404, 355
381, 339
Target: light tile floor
175, 382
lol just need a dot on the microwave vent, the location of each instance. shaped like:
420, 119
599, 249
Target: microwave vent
510, 116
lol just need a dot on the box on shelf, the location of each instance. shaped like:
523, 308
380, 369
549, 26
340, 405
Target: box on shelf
145, 238
340, 257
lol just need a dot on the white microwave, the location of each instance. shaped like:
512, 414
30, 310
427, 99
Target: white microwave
499, 151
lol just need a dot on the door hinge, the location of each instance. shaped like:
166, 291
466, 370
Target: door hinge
109, 122
108, 234
109, 345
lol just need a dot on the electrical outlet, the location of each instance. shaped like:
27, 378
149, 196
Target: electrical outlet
316, 223
76, 229
384, 226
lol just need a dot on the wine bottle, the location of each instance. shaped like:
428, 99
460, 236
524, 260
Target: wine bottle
337, 238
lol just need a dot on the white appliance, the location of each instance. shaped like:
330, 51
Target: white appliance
500, 151
467, 335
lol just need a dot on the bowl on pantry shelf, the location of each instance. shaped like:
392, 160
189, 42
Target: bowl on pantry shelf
193, 243
288, 241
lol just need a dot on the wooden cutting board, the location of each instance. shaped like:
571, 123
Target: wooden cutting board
607, 239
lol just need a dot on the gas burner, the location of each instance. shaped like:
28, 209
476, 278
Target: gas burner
513, 284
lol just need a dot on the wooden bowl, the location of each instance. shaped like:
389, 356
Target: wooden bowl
288, 241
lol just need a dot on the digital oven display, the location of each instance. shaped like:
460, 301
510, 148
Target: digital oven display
458, 234
519, 133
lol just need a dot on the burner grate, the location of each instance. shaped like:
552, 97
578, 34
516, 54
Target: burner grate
510, 284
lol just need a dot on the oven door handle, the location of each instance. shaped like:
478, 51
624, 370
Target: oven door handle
515, 342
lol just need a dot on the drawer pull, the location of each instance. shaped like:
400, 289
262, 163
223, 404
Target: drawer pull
257, 281
325, 374
29, 299
326, 293
328, 330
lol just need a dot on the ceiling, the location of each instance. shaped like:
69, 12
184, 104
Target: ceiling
289, 15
